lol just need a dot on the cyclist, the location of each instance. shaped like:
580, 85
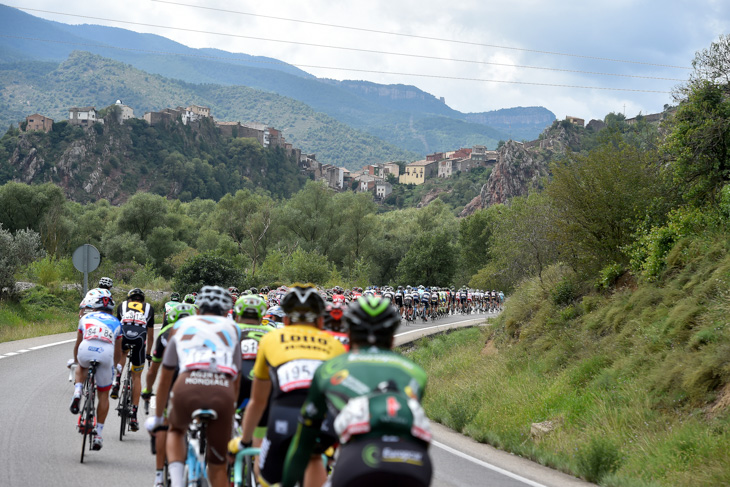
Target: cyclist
189, 298
106, 283
99, 338
174, 299
207, 350
285, 365
138, 321
176, 312
388, 448
333, 324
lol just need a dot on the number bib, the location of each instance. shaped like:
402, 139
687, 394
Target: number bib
296, 374
249, 348
97, 332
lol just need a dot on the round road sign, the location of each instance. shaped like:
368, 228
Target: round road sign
86, 258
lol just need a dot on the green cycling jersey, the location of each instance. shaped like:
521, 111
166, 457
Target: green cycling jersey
373, 392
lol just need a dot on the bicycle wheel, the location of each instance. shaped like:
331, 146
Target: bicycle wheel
86, 418
249, 479
124, 406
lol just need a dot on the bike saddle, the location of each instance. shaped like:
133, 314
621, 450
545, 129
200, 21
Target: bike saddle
205, 414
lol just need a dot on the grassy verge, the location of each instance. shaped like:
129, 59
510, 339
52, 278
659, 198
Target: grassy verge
38, 313
637, 381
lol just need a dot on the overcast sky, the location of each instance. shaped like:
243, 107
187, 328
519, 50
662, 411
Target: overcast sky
653, 32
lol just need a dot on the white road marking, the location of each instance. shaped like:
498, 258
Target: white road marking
10, 354
436, 326
484, 464
52, 344
23, 351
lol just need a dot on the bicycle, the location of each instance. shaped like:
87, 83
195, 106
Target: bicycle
87, 417
195, 464
124, 408
153, 449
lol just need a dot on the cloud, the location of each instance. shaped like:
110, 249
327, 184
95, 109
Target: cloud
629, 30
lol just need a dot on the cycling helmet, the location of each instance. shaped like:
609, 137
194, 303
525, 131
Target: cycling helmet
254, 290
333, 318
215, 300
106, 283
276, 312
303, 303
233, 290
250, 307
372, 320
180, 310
265, 290
189, 298
136, 292
98, 299
175, 297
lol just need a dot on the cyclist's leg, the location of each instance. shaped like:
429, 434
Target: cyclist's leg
137, 359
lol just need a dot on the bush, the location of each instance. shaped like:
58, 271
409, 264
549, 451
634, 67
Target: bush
609, 275
564, 292
598, 459
206, 269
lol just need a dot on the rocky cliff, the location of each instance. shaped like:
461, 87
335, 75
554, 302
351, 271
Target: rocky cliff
520, 167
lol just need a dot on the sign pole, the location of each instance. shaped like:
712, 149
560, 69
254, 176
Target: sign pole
86, 258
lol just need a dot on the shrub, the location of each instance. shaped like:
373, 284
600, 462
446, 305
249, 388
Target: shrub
609, 275
598, 459
564, 292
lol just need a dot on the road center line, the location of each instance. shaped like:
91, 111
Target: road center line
484, 464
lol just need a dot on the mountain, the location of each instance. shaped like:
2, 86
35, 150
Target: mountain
403, 115
85, 79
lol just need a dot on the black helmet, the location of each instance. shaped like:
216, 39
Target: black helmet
372, 320
106, 283
214, 299
303, 303
254, 290
135, 292
175, 297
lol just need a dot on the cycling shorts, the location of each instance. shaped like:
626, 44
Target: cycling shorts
373, 461
103, 353
205, 390
398, 300
409, 303
136, 342
283, 423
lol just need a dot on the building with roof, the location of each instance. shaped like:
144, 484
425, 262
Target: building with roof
38, 122
418, 172
84, 116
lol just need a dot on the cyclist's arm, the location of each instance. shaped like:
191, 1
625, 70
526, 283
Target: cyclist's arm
169, 364
260, 391
118, 350
150, 330
79, 339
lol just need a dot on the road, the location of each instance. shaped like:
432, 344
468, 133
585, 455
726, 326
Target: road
39, 444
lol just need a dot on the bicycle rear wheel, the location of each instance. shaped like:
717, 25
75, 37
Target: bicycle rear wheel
124, 401
86, 418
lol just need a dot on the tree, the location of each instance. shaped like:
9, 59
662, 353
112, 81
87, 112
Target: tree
600, 199
246, 217
23, 206
142, 213
474, 234
15, 251
430, 261
206, 269
711, 65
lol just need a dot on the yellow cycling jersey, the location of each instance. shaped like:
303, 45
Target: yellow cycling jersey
289, 357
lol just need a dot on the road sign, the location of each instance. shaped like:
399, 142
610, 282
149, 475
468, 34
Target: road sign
86, 259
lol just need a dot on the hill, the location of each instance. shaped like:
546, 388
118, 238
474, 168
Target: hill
85, 79
403, 115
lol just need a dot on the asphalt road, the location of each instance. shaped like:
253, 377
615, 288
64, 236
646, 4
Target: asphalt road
39, 444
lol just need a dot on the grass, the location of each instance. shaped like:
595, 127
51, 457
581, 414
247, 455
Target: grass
19, 320
629, 377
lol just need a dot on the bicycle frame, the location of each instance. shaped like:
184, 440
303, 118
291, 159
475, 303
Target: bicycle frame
87, 416
243, 477
195, 463
125, 399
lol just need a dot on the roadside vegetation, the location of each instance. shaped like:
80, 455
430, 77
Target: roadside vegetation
616, 328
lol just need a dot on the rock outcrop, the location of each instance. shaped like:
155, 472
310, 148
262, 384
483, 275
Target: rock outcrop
520, 167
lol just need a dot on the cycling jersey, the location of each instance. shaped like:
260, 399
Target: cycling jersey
205, 343
136, 317
99, 331
349, 386
425, 297
289, 358
251, 335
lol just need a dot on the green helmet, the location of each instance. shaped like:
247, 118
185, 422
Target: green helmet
372, 320
180, 310
250, 306
189, 299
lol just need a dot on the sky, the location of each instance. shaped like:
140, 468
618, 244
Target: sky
641, 38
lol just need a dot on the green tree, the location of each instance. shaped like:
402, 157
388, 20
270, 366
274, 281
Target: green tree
15, 251
23, 206
142, 213
598, 200
474, 234
206, 269
305, 266
430, 261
